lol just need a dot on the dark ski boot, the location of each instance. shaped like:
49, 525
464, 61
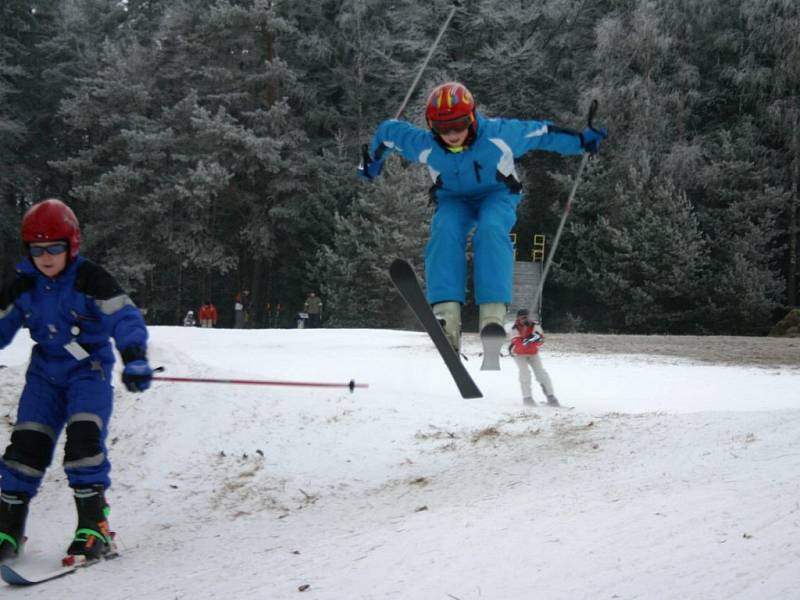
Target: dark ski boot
93, 538
13, 513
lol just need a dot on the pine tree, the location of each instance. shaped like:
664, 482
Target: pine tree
12, 132
27, 135
388, 219
769, 72
210, 146
644, 266
197, 157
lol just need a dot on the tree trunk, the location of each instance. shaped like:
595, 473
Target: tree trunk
178, 315
257, 297
257, 293
10, 247
791, 283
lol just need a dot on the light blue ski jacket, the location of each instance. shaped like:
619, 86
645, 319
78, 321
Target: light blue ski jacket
486, 165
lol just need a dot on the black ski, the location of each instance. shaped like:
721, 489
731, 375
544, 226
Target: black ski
12, 575
406, 282
19, 576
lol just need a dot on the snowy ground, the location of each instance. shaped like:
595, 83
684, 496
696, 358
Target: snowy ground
671, 478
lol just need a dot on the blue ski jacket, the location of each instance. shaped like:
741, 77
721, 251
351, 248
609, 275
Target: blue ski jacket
71, 318
486, 165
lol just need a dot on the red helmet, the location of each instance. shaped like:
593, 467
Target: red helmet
450, 107
51, 220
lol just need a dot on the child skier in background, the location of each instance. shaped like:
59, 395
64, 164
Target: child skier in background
475, 186
524, 347
208, 315
71, 308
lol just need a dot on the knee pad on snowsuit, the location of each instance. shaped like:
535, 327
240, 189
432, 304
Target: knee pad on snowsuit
84, 445
31, 449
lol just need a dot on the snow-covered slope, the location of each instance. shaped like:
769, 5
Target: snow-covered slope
669, 478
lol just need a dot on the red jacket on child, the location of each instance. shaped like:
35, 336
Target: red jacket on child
528, 339
208, 312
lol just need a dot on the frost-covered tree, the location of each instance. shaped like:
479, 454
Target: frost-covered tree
12, 133
190, 145
769, 76
388, 219
209, 146
741, 208
644, 266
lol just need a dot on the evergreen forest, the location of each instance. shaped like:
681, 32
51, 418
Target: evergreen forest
210, 146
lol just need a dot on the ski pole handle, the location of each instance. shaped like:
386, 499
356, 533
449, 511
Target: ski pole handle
592, 111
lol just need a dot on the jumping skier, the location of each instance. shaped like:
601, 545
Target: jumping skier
475, 186
72, 307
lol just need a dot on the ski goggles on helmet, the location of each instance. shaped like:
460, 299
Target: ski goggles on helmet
54, 249
453, 125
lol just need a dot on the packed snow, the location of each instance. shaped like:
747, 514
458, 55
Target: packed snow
668, 478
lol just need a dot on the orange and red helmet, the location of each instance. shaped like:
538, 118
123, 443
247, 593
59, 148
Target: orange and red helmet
451, 107
49, 221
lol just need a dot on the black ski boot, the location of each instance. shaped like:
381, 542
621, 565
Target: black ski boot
13, 513
93, 538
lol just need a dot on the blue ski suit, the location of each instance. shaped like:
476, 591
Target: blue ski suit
476, 188
68, 382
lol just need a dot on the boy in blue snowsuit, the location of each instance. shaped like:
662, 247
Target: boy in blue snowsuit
71, 307
475, 186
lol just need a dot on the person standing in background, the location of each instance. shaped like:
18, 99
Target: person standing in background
524, 347
242, 309
313, 306
208, 314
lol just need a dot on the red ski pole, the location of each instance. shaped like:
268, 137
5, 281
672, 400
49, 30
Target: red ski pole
351, 385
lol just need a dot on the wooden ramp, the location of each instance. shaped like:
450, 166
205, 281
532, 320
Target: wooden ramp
526, 282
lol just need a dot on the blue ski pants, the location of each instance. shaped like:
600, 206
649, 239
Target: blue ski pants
83, 404
492, 218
